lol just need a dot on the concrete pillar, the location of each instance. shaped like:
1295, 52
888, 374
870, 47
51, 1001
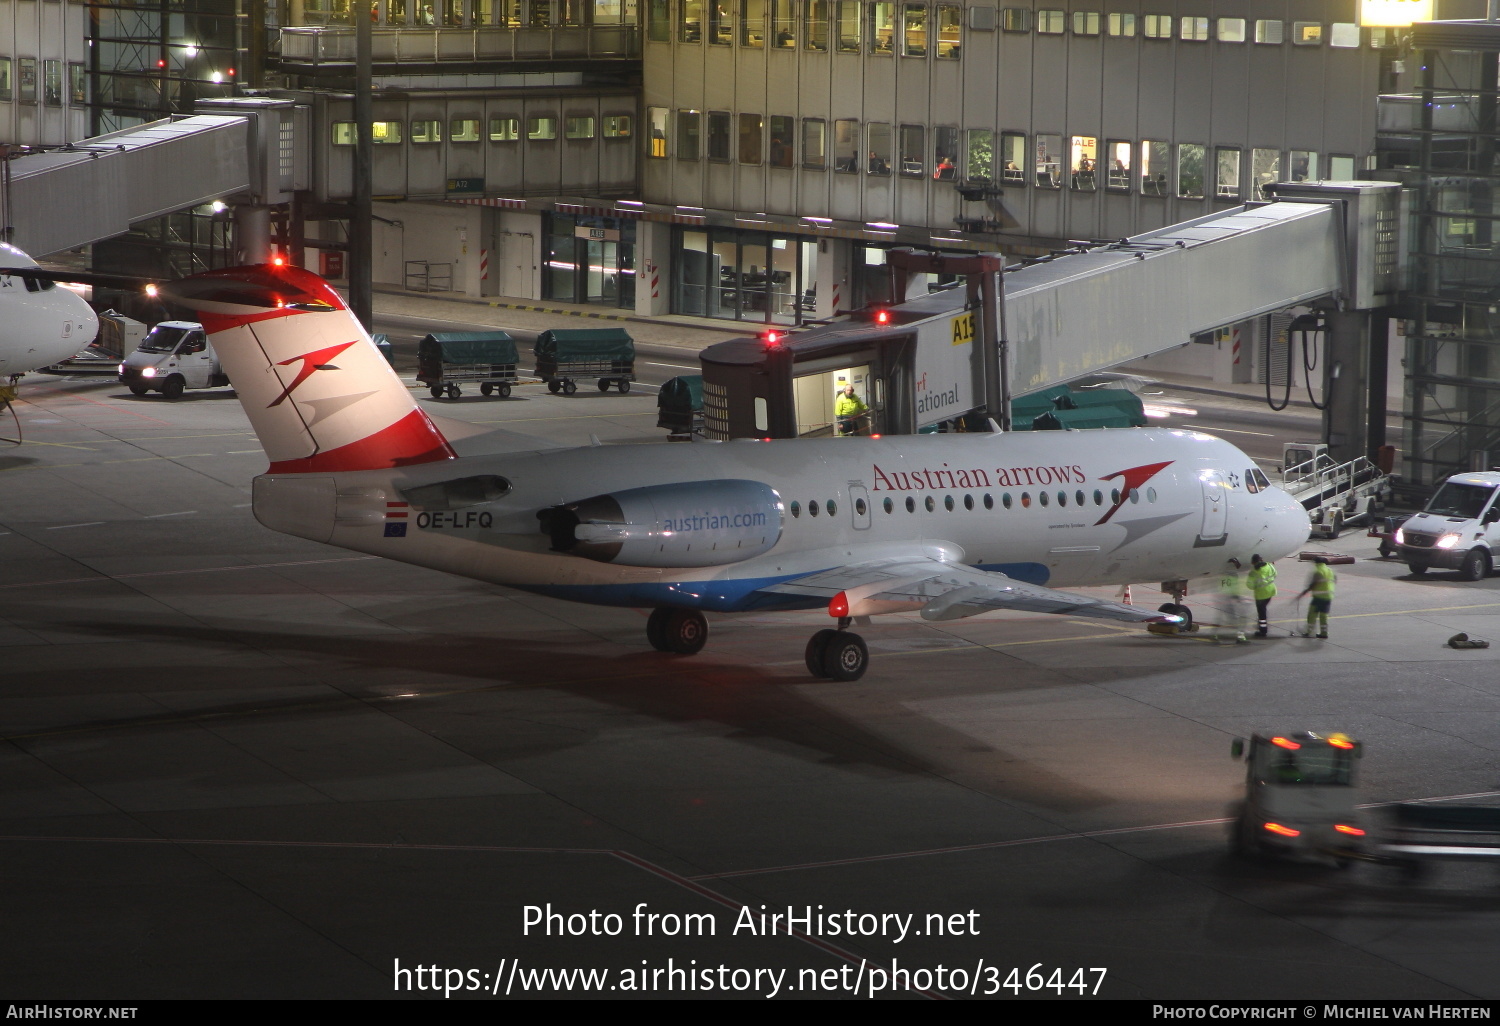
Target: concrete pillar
1345, 376
653, 261
835, 284
252, 233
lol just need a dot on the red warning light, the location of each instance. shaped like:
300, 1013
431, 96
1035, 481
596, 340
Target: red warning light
161, 62
278, 261
882, 317
231, 72
773, 338
839, 607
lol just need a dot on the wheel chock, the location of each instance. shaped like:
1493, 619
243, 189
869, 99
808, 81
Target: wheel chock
1464, 641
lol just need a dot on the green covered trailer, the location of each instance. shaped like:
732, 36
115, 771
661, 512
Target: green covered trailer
563, 354
448, 359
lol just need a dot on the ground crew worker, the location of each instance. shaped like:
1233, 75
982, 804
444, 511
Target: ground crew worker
847, 410
1262, 581
1320, 586
1233, 594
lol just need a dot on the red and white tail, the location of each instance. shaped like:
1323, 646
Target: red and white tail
319, 394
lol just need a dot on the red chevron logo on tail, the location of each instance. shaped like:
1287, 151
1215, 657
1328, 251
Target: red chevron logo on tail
310, 363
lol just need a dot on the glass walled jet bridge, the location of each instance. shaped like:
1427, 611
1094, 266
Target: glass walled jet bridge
1333, 244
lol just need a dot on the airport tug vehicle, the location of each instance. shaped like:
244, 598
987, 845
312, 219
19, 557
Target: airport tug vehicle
1301, 799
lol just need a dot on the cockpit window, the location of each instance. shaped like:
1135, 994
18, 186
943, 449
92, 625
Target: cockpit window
1460, 500
163, 339
1259, 477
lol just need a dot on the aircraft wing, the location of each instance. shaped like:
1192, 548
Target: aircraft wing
949, 591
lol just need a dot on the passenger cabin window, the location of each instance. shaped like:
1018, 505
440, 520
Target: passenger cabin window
579, 128
544, 126
617, 126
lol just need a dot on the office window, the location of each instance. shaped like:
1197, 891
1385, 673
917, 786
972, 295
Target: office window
1340, 169
878, 135
719, 124
846, 158
384, 133
1157, 26
425, 131
689, 138
751, 127
784, 24
1086, 23
780, 152
1269, 32
979, 155
1304, 166
1153, 168
1343, 34
1383, 37
914, 30
656, 125
882, 28
753, 23
1227, 174
26, 79
1190, 170
658, 20
465, 130
690, 21
1117, 160
617, 126
1265, 167
7, 87
720, 22
52, 83
1051, 23
505, 129
578, 127
77, 84
1013, 158
815, 26
1049, 165
848, 26
1307, 33
949, 31
945, 149
1194, 30
1083, 163
814, 144
1121, 24
1015, 19
1230, 30
913, 156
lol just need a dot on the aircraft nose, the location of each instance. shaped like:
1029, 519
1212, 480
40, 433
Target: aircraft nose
1288, 524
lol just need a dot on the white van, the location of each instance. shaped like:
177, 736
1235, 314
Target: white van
1459, 529
174, 356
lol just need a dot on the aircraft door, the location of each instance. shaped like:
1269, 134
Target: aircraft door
859, 506
1215, 509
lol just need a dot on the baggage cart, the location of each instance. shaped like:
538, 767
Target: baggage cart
565, 354
679, 405
447, 360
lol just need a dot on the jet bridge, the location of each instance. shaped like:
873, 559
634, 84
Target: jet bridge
1334, 244
244, 147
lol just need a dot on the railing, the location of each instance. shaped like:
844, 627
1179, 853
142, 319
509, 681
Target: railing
335, 45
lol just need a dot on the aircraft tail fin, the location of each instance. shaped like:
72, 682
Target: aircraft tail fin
319, 394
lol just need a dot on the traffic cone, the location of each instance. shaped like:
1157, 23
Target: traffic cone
1125, 595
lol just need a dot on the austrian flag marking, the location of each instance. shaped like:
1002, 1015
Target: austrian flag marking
396, 514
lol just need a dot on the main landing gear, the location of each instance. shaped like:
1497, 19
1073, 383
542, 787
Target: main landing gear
684, 631
837, 654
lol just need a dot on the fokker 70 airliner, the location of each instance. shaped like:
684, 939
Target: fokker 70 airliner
947, 525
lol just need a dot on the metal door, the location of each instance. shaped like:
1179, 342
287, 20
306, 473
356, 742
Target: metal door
1215, 508
859, 505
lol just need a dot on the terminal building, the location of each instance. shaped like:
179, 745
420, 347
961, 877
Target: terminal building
754, 160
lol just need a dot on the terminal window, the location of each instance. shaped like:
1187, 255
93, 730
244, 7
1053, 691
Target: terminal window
579, 127
753, 23
1265, 167
914, 38
1051, 23
689, 139
814, 144
1269, 32
1227, 174
913, 163
617, 126
879, 137
979, 160
544, 126
463, 130
781, 153
1307, 33
690, 21
1190, 170
7, 88
1157, 26
1343, 34
1153, 168
882, 28
1048, 161
1122, 24
505, 129
1195, 29
846, 158
1013, 157
848, 25
718, 135
1117, 154
720, 32
784, 24
750, 138
945, 147
1016, 19
1231, 30
426, 130
1085, 23
815, 26
1083, 163
949, 31
656, 122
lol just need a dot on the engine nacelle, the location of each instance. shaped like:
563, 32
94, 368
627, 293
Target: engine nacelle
702, 523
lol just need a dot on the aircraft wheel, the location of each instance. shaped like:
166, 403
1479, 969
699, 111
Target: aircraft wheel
683, 631
454, 391
1476, 565
172, 388
656, 631
436, 390
136, 388
624, 385
569, 387
1177, 610
485, 388
817, 646
553, 386
845, 656
604, 384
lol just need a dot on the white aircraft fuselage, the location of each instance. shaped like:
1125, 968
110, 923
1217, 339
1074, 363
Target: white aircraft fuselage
40, 323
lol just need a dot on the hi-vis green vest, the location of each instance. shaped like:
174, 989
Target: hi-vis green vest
1322, 581
1262, 581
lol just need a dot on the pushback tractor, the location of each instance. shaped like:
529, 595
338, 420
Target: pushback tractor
1301, 798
